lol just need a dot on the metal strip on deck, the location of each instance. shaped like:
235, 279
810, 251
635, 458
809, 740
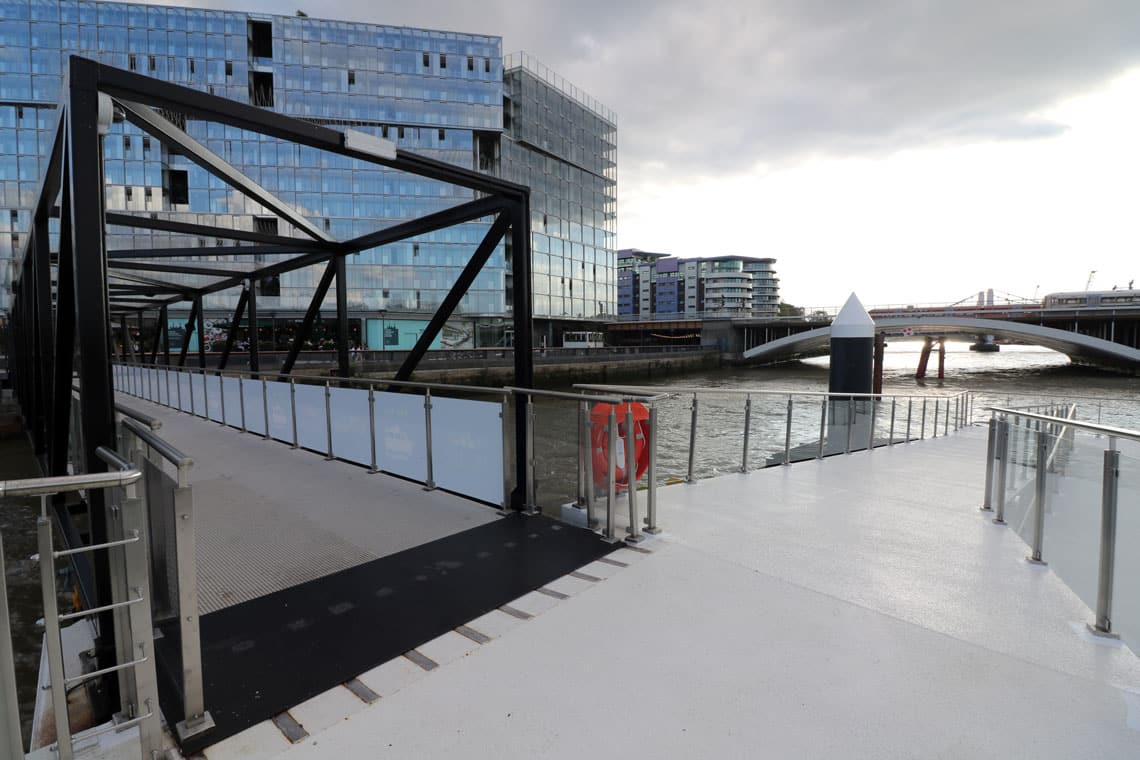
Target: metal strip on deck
263, 656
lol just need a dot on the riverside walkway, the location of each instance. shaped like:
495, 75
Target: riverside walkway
857, 606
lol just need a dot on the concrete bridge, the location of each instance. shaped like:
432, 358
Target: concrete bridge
1112, 352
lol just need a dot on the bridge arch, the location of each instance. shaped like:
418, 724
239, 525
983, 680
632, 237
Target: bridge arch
1083, 349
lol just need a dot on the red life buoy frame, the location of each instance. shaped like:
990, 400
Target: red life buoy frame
600, 442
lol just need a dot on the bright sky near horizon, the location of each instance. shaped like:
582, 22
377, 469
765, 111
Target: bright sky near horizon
908, 150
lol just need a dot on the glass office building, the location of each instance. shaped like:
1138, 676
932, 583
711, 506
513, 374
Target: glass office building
652, 285
440, 94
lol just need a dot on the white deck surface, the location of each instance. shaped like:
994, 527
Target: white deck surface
268, 517
858, 607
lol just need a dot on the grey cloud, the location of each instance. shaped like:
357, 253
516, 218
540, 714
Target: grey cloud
705, 88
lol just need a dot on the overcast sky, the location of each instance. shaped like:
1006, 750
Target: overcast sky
910, 150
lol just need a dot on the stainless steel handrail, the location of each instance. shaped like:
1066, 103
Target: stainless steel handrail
320, 380
163, 448
1092, 427
67, 483
677, 390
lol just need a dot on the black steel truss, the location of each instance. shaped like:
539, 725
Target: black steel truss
63, 309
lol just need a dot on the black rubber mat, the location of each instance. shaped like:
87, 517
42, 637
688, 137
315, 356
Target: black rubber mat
264, 656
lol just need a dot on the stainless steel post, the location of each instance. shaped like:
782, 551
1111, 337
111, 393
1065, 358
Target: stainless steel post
747, 431
51, 638
144, 677
946, 419
222, 397
166, 374
1039, 498
429, 485
372, 428
631, 475
583, 452
957, 411
1109, 485
205, 396
871, 427
909, 410
265, 405
991, 444
651, 498
178, 387
788, 434
822, 426
241, 402
1003, 461
508, 442
937, 403
328, 424
293, 410
11, 745
186, 553
190, 383
588, 466
850, 424
611, 517
891, 435
692, 441
531, 486
922, 422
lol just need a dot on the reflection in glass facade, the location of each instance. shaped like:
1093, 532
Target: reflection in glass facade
563, 144
440, 94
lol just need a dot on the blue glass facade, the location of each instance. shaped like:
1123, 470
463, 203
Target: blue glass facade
439, 94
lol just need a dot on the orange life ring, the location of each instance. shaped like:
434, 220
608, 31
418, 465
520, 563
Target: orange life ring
600, 442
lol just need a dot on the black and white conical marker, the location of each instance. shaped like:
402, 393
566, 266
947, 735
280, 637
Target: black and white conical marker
852, 349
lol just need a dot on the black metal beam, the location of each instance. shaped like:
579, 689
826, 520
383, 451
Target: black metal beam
310, 315
97, 399
64, 338
201, 332
159, 330
149, 266
188, 331
232, 333
524, 338
483, 252
202, 230
41, 257
465, 212
251, 318
341, 317
153, 92
218, 250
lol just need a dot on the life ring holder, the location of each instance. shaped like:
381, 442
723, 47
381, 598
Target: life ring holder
600, 442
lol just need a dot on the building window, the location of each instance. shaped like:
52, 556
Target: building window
415, 249
441, 135
260, 35
129, 191
229, 68
146, 145
384, 131
150, 62
261, 88
400, 133
328, 224
384, 293
470, 63
427, 60
487, 65
443, 60
126, 142
132, 64
351, 77
179, 181
191, 65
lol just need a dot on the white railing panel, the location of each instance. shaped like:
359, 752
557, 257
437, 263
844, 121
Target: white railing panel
231, 396
400, 435
467, 447
280, 411
198, 387
312, 426
254, 402
352, 436
182, 395
213, 397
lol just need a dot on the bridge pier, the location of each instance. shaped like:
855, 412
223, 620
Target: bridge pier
924, 358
